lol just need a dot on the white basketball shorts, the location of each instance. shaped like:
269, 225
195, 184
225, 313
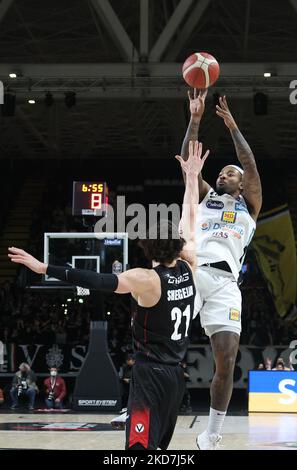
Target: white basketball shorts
218, 300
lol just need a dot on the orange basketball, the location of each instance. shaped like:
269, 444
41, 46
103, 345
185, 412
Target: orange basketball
201, 70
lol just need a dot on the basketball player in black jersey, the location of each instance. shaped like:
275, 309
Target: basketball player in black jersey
165, 297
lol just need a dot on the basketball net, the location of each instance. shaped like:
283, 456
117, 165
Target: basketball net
82, 291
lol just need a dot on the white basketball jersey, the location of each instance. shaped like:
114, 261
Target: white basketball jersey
224, 230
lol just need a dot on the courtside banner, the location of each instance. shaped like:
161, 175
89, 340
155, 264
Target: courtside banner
274, 245
69, 359
273, 391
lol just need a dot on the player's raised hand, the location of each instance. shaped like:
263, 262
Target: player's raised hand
224, 112
197, 102
195, 163
17, 255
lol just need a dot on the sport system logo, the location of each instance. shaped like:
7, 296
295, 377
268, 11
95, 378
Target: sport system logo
97, 402
1, 93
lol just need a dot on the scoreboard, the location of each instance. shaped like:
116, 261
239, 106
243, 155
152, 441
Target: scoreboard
89, 198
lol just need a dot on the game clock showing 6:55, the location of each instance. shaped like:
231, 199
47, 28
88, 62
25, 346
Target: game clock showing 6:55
89, 198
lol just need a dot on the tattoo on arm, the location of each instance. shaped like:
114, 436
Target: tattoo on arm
243, 150
191, 134
252, 190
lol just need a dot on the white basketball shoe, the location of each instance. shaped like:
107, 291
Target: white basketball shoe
207, 441
119, 422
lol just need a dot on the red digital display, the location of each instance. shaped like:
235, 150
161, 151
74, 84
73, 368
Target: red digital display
89, 198
96, 201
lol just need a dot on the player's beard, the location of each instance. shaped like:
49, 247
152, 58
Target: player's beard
221, 190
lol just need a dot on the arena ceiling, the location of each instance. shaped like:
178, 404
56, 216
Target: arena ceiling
123, 61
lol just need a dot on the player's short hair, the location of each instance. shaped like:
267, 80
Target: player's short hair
166, 246
238, 169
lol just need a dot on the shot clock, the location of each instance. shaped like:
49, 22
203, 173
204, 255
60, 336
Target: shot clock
89, 198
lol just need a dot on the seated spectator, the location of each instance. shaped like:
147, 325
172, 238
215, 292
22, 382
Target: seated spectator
1, 397
125, 376
55, 390
23, 385
261, 366
280, 365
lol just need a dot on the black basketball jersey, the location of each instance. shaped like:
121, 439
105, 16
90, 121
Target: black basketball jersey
161, 332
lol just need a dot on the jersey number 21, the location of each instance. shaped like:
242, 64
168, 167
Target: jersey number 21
176, 316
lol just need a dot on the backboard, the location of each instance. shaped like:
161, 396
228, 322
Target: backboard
86, 250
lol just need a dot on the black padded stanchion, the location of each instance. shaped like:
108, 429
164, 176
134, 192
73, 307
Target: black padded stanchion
97, 385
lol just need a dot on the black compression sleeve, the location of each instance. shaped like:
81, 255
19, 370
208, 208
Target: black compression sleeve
84, 278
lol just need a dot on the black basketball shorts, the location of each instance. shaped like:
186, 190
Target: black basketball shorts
156, 392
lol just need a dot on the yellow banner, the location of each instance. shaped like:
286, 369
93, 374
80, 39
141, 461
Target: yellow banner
272, 402
275, 249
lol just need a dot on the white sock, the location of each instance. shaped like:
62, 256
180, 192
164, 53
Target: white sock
215, 421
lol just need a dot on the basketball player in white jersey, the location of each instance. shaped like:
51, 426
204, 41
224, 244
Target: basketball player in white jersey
225, 226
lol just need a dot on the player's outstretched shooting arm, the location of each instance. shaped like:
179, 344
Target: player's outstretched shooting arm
197, 107
192, 168
252, 190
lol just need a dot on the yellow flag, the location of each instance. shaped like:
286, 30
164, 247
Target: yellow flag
275, 249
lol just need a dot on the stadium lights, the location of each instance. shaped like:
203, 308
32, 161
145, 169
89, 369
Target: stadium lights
31, 101
272, 72
15, 74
